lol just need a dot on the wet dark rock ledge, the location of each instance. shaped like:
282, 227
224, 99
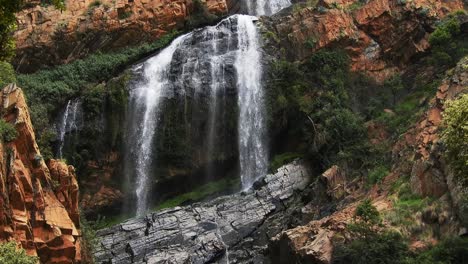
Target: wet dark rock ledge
229, 229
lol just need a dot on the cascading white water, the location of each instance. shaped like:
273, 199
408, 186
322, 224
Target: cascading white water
265, 7
146, 98
183, 68
253, 154
68, 122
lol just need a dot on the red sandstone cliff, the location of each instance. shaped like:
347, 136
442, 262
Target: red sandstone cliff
417, 154
47, 36
381, 36
38, 201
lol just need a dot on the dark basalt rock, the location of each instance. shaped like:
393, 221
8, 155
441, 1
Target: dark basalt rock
236, 226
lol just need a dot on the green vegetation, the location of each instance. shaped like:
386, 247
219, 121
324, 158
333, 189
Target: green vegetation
200, 16
368, 243
313, 101
8, 8
372, 248
453, 250
48, 90
377, 174
405, 207
367, 213
448, 43
7, 131
7, 74
282, 159
11, 254
89, 241
455, 136
371, 244
199, 193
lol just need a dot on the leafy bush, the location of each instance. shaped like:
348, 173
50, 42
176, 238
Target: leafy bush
48, 91
455, 136
377, 174
7, 131
89, 240
311, 102
452, 250
375, 248
367, 212
447, 41
11, 254
200, 16
7, 74
282, 159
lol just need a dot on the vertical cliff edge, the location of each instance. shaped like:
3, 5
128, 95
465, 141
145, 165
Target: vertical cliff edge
38, 201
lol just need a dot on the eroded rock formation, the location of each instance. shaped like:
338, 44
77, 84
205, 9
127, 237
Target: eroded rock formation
47, 36
38, 201
381, 35
208, 232
418, 154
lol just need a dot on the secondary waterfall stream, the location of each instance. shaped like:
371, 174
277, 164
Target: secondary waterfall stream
70, 121
230, 47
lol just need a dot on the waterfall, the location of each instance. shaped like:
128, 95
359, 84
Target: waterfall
253, 154
68, 123
197, 65
265, 7
145, 99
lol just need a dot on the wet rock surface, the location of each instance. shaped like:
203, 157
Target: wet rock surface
235, 227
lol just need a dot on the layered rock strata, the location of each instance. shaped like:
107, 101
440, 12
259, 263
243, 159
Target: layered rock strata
38, 201
207, 232
48, 36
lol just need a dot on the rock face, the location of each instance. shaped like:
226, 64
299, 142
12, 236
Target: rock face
420, 145
207, 232
418, 154
381, 36
38, 201
313, 242
47, 36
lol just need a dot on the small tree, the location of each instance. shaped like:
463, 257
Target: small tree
455, 136
11, 254
367, 212
7, 131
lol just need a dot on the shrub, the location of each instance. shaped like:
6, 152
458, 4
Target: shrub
7, 74
447, 42
11, 254
452, 250
455, 136
200, 16
377, 174
282, 159
49, 90
89, 240
366, 212
7, 131
375, 248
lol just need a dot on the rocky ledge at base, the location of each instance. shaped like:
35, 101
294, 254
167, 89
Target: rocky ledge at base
229, 229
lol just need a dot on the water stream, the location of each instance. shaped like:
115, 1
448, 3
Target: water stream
265, 7
69, 122
196, 65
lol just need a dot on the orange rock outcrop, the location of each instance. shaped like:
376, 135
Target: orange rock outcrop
38, 201
48, 36
381, 35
